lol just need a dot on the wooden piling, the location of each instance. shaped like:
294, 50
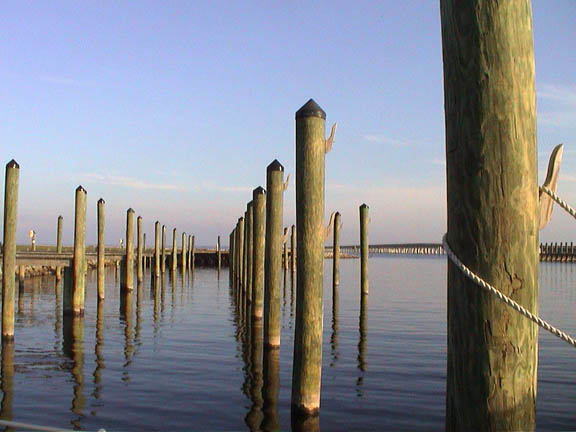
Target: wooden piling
219, 254
293, 249
492, 193
157, 250
128, 284
364, 219
240, 252
59, 246
231, 258
236, 256
146, 262
101, 250
163, 251
174, 263
249, 252
79, 260
285, 253
336, 255
9, 249
310, 154
192, 254
258, 246
273, 253
139, 248
184, 253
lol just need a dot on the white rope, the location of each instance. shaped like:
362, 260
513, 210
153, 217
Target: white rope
482, 283
559, 200
19, 425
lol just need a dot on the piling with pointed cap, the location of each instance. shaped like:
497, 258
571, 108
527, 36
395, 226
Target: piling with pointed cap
336, 256
293, 249
79, 260
128, 283
139, 247
258, 246
163, 251
9, 251
59, 246
157, 249
174, 262
311, 147
364, 220
492, 207
101, 250
273, 253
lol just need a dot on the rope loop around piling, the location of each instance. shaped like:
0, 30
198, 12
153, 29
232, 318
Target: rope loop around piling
486, 286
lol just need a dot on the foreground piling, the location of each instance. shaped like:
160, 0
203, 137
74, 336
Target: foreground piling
79, 260
9, 251
307, 367
101, 250
258, 246
273, 253
492, 193
128, 283
364, 219
59, 246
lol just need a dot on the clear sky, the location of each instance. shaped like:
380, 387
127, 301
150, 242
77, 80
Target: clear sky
176, 108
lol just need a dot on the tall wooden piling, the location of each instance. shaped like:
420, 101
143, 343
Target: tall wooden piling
157, 250
101, 250
240, 248
293, 249
59, 246
184, 253
310, 154
236, 256
285, 253
336, 255
192, 253
79, 260
139, 247
219, 254
273, 253
258, 246
174, 263
128, 283
492, 193
146, 262
9, 249
249, 252
231, 257
364, 219
163, 251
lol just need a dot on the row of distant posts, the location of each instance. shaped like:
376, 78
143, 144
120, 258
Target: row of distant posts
259, 252
74, 276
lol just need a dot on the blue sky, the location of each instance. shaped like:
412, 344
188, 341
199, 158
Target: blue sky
176, 108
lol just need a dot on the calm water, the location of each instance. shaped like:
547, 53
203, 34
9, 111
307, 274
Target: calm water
184, 361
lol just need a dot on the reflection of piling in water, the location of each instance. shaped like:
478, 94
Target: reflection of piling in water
254, 417
101, 250
273, 253
270, 390
362, 336
334, 335
58, 312
9, 249
7, 386
73, 349
98, 348
258, 246
126, 305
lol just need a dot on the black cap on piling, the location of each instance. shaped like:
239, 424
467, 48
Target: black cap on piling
310, 109
258, 191
80, 189
130, 210
364, 206
13, 164
275, 166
